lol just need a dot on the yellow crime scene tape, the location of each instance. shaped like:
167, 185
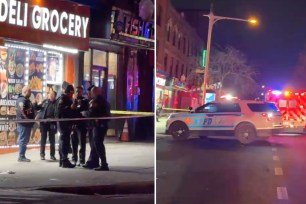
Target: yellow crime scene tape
132, 113
129, 114
187, 110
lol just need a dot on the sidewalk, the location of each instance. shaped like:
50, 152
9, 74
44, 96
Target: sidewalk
129, 163
161, 125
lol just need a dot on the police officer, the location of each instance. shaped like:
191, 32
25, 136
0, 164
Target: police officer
79, 130
98, 107
25, 110
65, 109
47, 110
93, 160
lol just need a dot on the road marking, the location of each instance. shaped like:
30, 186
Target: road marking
278, 171
282, 193
275, 158
274, 149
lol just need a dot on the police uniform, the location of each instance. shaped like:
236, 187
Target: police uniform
24, 110
79, 131
98, 107
65, 127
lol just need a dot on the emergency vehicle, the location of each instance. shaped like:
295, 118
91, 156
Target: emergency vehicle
245, 120
292, 105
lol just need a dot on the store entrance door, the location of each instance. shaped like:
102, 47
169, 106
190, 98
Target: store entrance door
99, 78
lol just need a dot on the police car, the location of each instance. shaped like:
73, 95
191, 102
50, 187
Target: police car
245, 120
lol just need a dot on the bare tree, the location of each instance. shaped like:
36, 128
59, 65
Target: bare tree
194, 80
229, 66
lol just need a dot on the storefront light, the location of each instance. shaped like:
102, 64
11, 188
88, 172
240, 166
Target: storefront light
62, 49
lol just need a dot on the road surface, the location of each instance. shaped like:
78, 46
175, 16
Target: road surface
215, 171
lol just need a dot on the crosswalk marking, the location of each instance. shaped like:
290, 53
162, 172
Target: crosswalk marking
278, 171
276, 158
282, 193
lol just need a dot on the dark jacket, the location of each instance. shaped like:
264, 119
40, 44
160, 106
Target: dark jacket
82, 105
99, 107
64, 107
24, 110
42, 108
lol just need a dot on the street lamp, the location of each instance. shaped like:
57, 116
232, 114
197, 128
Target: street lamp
212, 20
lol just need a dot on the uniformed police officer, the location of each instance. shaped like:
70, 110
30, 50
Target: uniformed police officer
65, 110
79, 130
98, 107
25, 110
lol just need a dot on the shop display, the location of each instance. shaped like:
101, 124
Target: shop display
20, 66
3, 138
54, 72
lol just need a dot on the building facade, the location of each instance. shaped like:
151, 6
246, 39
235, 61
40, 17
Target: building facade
178, 51
121, 58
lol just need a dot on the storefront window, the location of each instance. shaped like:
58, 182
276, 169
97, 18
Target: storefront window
112, 77
99, 58
87, 66
132, 82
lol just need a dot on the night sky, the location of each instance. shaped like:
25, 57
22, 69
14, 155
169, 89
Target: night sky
272, 47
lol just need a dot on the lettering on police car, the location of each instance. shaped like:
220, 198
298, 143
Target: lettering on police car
207, 121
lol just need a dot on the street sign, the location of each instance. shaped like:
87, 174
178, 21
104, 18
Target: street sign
204, 58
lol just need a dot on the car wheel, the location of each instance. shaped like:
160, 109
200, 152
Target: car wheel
245, 133
179, 131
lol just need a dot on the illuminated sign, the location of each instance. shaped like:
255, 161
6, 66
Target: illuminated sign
160, 81
133, 30
48, 21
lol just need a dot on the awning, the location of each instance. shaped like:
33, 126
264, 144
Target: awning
113, 45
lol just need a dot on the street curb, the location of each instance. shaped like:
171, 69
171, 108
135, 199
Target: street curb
146, 187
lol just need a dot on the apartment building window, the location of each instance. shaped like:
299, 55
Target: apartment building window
183, 71
171, 69
166, 62
186, 71
184, 45
159, 15
179, 42
174, 38
187, 48
168, 32
177, 71
157, 48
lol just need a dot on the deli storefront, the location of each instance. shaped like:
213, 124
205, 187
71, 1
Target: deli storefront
39, 45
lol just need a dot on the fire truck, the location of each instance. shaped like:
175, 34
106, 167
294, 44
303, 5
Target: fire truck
292, 105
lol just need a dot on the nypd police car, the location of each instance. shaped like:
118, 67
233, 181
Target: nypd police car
245, 120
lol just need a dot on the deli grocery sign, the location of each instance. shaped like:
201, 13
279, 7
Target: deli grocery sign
56, 22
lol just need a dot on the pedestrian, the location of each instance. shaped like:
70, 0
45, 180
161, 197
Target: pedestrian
79, 130
25, 110
64, 110
47, 111
98, 107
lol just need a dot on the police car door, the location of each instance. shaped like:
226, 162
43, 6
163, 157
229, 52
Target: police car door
227, 114
205, 117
